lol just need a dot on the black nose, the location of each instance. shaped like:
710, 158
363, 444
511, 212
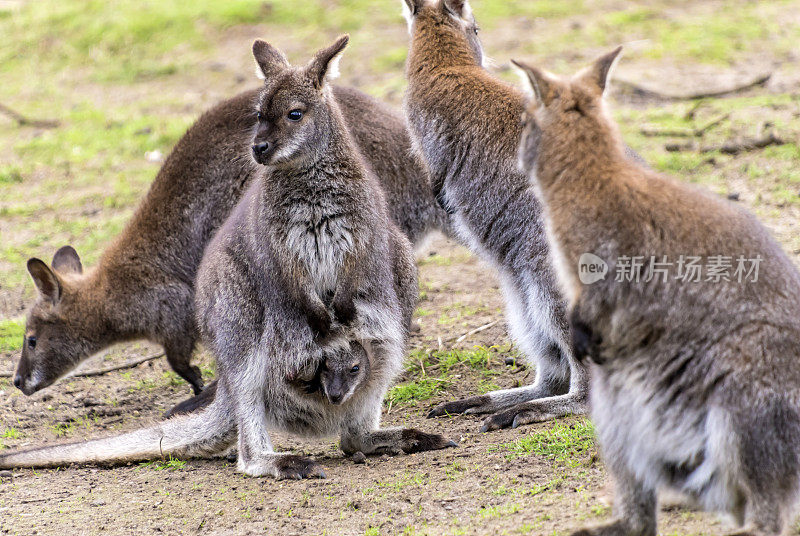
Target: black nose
260, 148
18, 381
335, 398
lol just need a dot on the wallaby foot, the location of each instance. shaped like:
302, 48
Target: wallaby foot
281, 466
473, 404
553, 379
499, 400
197, 402
617, 527
394, 441
544, 409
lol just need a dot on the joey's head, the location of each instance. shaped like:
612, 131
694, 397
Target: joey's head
566, 116
294, 109
446, 29
343, 371
60, 331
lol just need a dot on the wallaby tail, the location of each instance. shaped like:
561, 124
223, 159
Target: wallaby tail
204, 433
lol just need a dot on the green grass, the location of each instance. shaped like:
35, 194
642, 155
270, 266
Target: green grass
433, 373
568, 444
169, 464
12, 334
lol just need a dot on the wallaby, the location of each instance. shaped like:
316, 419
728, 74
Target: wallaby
695, 379
314, 209
143, 286
465, 124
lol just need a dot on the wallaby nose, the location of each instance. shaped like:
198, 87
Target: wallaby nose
260, 148
18, 381
335, 398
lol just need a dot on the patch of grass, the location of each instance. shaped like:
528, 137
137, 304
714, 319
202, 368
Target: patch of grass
431, 373
12, 334
169, 464
11, 433
488, 512
566, 443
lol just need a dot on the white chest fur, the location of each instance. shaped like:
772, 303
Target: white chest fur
321, 239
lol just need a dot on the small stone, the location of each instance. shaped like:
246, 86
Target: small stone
359, 457
6, 474
98, 502
154, 156
89, 402
734, 196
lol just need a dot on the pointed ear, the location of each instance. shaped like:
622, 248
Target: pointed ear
269, 59
413, 6
598, 74
460, 8
66, 260
543, 85
45, 280
325, 65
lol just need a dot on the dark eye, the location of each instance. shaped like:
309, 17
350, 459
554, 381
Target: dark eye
355, 369
295, 115
475, 29
31, 342
260, 117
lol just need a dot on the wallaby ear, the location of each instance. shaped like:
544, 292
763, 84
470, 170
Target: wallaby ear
45, 280
460, 8
269, 59
543, 85
66, 260
599, 72
414, 6
325, 65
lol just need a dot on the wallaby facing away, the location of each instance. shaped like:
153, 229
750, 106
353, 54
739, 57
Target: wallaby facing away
695, 375
316, 213
465, 123
143, 286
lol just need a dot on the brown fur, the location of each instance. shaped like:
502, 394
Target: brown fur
695, 384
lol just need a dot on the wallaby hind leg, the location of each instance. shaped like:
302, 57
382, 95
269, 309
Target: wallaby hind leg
256, 455
544, 409
196, 403
179, 356
362, 435
634, 510
552, 380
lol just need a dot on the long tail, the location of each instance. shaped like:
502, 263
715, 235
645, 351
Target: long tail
200, 434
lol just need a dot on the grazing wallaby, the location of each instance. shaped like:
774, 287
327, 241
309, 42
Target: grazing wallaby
465, 123
695, 376
143, 286
314, 210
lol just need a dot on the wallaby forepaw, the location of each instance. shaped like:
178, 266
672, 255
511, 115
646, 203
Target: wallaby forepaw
473, 404
345, 312
414, 440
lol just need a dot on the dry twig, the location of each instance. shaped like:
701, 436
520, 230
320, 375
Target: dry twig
99, 372
27, 121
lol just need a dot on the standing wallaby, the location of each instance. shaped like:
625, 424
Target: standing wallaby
314, 212
143, 286
465, 123
695, 374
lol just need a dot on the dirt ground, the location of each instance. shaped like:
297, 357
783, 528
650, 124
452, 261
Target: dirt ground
544, 479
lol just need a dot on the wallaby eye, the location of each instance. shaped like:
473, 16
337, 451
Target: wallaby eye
31, 342
295, 115
355, 369
475, 29
260, 117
